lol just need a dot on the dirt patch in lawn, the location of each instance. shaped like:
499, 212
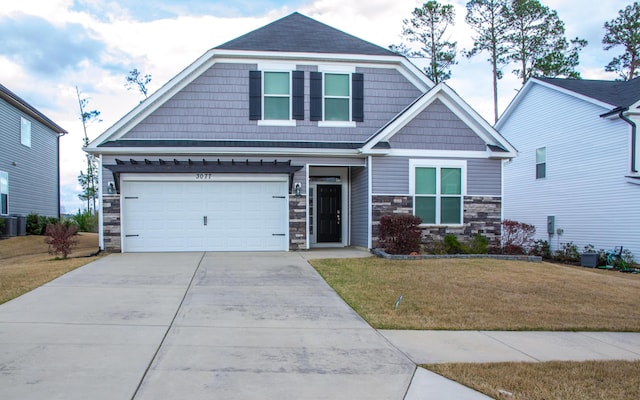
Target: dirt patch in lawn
26, 264
471, 294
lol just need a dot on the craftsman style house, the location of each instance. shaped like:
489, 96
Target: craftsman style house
576, 177
296, 136
29, 159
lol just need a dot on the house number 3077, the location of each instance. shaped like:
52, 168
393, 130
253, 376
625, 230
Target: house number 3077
204, 176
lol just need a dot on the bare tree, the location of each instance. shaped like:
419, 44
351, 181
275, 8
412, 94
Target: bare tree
136, 80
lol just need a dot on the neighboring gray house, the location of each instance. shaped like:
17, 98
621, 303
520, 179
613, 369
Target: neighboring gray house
576, 177
296, 136
29, 159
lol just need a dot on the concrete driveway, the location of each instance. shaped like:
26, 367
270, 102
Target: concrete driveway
194, 326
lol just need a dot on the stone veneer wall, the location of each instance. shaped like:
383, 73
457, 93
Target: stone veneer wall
111, 223
481, 216
297, 223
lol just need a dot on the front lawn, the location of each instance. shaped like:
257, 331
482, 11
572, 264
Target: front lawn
467, 294
25, 263
484, 294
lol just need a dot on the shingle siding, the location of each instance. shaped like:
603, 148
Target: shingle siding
33, 180
437, 128
215, 106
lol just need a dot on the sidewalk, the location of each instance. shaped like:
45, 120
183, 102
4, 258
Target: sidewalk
434, 347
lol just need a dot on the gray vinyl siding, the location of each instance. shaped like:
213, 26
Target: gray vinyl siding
33, 180
359, 207
484, 177
437, 128
391, 176
215, 106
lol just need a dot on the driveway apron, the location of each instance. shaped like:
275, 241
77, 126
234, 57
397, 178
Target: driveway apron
196, 326
267, 326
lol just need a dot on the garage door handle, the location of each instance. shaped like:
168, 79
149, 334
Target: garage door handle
205, 220
277, 234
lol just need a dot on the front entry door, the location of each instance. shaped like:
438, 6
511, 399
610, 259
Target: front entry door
329, 203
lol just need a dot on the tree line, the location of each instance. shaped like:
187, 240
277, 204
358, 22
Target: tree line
523, 33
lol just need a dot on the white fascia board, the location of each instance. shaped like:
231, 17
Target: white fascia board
227, 151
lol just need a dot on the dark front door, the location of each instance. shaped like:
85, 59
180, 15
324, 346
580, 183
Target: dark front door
329, 213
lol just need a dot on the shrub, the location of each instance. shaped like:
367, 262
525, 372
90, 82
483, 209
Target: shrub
400, 233
36, 224
452, 245
478, 245
541, 248
86, 221
517, 237
568, 252
61, 238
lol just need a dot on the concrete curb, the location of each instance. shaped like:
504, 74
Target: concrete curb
383, 254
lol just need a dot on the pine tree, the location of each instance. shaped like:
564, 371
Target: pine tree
486, 17
427, 27
624, 30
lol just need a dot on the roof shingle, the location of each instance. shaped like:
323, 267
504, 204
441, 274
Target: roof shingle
617, 93
299, 33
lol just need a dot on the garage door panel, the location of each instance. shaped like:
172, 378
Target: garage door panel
169, 216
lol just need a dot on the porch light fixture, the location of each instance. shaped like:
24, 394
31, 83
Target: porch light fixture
297, 189
111, 187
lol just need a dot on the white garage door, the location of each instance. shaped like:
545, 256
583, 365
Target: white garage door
204, 216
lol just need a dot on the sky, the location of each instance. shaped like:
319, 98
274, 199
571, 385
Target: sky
50, 47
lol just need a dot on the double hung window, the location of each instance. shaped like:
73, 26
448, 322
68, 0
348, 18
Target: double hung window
541, 163
277, 96
337, 97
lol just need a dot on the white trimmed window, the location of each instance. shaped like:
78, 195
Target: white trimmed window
541, 163
438, 191
4, 193
25, 132
337, 97
276, 95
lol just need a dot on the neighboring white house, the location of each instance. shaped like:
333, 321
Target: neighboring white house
576, 177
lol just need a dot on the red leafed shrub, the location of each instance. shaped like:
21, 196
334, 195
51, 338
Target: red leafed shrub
517, 237
400, 233
61, 238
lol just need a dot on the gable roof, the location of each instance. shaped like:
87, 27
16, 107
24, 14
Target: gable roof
27, 108
621, 94
310, 36
497, 146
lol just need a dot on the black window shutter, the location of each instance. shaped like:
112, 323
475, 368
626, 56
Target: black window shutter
298, 95
357, 97
316, 96
255, 95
